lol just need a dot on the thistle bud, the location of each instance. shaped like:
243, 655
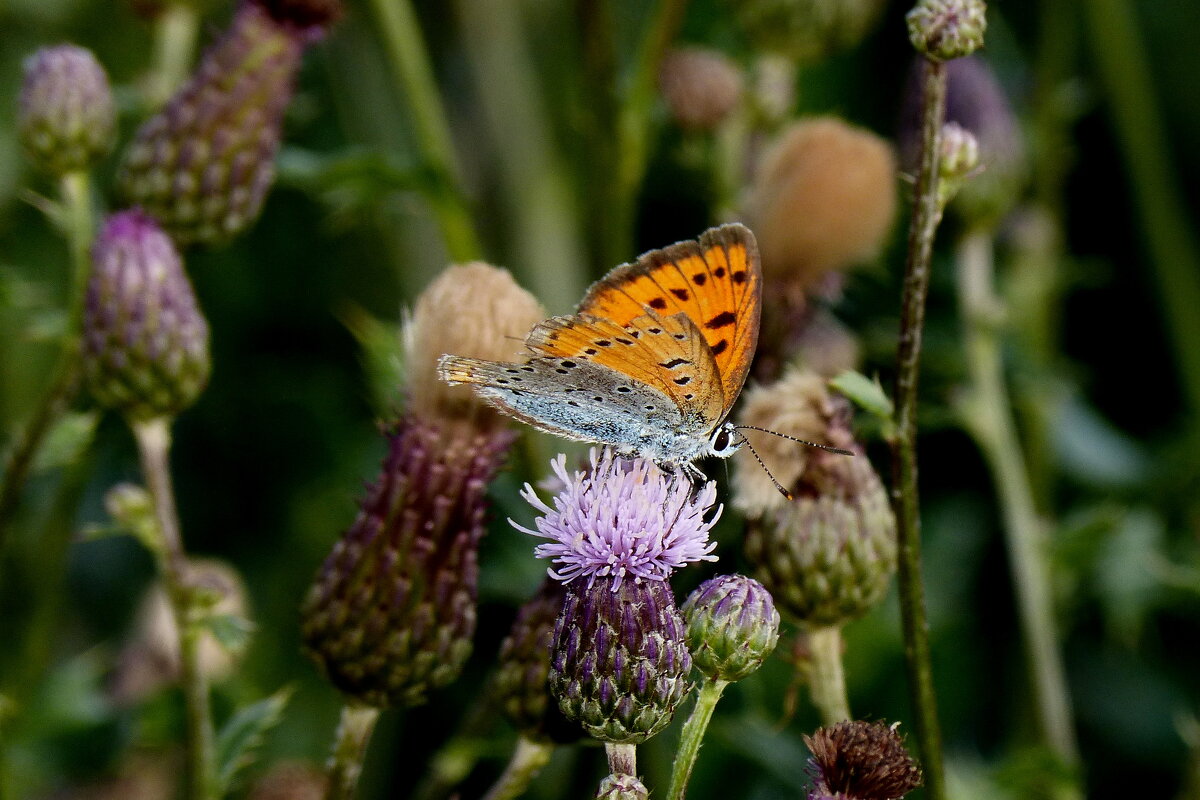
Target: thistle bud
827, 556
391, 613
620, 661
860, 761
203, 164
807, 30
522, 682
732, 626
67, 121
700, 86
946, 29
621, 787
145, 342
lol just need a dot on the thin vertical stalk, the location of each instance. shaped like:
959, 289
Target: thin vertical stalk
175, 33
78, 223
622, 758
905, 500
827, 677
350, 749
527, 761
1174, 254
153, 439
693, 734
411, 67
988, 416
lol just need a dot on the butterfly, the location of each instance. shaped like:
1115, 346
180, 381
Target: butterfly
652, 361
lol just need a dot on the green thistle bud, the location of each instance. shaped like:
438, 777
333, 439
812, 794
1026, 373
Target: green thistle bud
732, 626
621, 787
946, 29
202, 166
620, 662
860, 761
67, 121
392, 610
145, 342
522, 682
828, 556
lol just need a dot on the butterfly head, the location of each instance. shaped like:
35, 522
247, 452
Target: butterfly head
726, 440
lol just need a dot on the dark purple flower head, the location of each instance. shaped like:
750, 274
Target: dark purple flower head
310, 17
623, 520
857, 760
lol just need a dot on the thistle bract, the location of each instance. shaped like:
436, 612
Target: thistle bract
66, 119
145, 342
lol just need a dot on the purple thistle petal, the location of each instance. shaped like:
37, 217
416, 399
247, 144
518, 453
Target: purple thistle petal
622, 519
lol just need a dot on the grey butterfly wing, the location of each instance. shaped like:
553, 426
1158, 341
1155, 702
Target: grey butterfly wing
587, 402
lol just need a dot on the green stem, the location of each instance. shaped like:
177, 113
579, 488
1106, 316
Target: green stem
78, 225
1174, 254
410, 64
905, 499
693, 734
527, 761
988, 414
622, 758
350, 749
175, 34
154, 445
827, 678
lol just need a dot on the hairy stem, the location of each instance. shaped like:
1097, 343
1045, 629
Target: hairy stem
350, 749
411, 67
622, 758
988, 415
692, 735
527, 761
827, 678
154, 445
905, 501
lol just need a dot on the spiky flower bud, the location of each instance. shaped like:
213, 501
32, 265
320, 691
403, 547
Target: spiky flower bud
522, 685
732, 626
620, 661
392, 610
700, 86
827, 556
860, 761
145, 342
203, 164
946, 29
807, 30
67, 121
621, 787
960, 152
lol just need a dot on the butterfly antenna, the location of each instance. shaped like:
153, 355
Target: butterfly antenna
758, 458
837, 450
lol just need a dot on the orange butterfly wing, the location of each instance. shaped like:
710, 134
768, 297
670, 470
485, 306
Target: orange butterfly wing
716, 281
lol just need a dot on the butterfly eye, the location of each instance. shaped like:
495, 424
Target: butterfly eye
723, 444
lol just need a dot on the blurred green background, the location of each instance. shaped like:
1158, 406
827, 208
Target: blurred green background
269, 462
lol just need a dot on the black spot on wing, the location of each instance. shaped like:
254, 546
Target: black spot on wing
720, 347
699, 278
673, 363
657, 303
682, 294
739, 276
722, 320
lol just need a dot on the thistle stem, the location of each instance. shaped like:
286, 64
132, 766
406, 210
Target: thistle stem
527, 761
622, 758
905, 501
988, 416
154, 445
410, 65
827, 678
175, 34
78, 224
350, 749
693, 734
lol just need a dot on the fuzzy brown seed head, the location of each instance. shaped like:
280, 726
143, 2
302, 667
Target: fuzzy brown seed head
798, 405
474, 310
700, 86
824, 198
861, 761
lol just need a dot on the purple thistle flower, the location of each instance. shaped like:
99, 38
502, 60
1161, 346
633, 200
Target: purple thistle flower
622, 519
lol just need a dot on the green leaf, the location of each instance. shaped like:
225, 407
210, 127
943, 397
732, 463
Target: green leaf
382, 354
243, 734
868, 395
67, 440
231, 630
